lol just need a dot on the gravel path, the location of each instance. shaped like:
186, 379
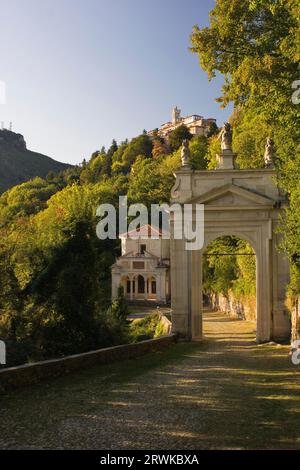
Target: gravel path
224, 393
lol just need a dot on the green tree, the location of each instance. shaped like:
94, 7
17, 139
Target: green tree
119, 308
141, 145
213, 129
109, 156
177, 136
117, 156
25, 199
150, 181
198, 148
255, 44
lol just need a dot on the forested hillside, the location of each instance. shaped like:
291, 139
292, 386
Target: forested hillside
18, 164
55, 272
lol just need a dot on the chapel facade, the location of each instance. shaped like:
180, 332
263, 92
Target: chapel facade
143, 269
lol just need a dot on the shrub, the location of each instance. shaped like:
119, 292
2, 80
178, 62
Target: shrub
144, 328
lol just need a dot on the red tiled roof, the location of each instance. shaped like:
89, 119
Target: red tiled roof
145, 231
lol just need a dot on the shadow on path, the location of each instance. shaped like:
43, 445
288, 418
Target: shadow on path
226, 392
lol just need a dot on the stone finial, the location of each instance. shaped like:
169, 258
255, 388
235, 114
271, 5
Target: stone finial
225, 136
269, 153
185, 153
225, 161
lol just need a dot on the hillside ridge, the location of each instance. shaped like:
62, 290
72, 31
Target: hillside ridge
18, 164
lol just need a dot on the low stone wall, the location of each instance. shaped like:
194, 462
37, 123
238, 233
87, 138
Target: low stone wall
295, 311
14, 377
244, 308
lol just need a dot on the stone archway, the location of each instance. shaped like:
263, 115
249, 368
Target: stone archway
242, 203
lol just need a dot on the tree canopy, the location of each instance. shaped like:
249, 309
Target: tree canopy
255, 45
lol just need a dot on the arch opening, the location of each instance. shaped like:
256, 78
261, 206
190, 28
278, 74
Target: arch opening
229, 278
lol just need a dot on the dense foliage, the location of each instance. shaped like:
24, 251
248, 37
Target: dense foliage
255, 45
148, 327
229, 268
55, 272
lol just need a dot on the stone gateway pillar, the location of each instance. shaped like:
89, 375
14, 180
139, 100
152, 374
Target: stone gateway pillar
242, 203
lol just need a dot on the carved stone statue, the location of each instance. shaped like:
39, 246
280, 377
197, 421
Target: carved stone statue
226, 137
185, 153
269, 153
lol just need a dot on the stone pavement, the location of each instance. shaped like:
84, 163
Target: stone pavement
224, 393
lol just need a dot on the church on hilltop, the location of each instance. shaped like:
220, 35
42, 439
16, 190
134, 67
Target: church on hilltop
196, 124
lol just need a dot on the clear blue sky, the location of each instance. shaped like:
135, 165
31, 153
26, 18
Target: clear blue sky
79, 73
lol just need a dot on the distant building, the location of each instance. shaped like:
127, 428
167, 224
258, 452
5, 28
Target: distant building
143, 268
196, 124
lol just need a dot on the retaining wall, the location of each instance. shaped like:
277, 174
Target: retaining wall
244, 308
19, 376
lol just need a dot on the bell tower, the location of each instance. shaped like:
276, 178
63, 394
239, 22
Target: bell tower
175, 115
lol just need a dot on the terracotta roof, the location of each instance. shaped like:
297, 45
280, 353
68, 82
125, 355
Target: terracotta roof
146, 231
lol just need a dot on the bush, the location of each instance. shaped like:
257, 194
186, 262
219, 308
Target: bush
144, 328
160, 330
116, 320
119, 308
